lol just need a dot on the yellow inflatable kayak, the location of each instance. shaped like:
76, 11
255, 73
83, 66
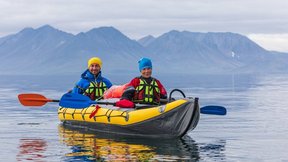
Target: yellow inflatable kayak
171, 120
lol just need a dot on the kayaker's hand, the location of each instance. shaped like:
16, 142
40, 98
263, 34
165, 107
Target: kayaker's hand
125, 104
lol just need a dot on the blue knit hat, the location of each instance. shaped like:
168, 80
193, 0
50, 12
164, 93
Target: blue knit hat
144, 63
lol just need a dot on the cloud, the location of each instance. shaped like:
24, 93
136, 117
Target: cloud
273, 42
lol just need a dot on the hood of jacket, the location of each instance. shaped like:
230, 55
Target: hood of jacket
91, 77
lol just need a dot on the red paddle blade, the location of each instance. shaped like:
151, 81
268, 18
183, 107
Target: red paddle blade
31, 99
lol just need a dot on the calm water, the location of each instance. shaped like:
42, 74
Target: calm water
255, 128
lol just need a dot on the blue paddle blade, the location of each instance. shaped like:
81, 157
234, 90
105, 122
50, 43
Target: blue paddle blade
73, 100
213, 110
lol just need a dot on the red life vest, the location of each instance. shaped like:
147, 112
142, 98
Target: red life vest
147, 93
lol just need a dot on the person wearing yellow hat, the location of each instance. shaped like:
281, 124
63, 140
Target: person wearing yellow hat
92, 84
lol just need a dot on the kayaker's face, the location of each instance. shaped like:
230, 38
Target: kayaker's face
94, 69
146, 72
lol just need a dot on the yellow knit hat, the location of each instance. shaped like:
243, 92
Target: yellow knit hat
95, 60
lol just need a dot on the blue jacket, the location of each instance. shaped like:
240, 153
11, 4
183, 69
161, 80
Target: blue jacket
85, 80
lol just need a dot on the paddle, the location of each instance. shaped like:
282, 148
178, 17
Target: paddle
73, 100
31, 99
68, 100
213, 110
79, 101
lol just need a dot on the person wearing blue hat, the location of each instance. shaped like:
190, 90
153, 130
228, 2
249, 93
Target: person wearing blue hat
143, 89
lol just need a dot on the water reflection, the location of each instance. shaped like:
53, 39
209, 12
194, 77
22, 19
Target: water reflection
213, 151
90, 147
32, 150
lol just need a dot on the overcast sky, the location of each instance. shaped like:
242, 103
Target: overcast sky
264, 21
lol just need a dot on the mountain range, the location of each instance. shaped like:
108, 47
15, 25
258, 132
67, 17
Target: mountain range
47, 50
